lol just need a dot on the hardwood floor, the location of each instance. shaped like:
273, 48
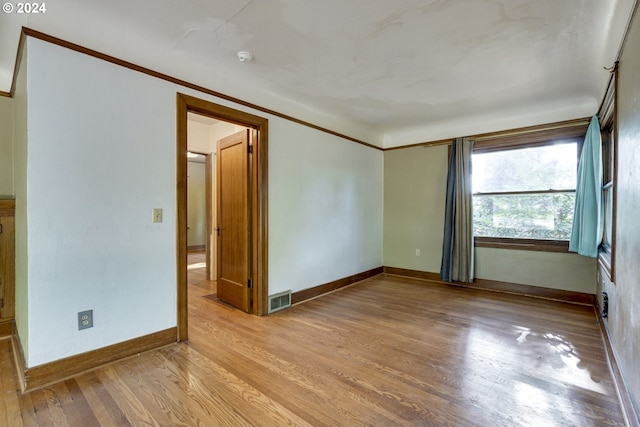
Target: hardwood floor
386, 351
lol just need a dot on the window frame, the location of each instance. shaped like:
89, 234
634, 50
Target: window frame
536, 136
608, 116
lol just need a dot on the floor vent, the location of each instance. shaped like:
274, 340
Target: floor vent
279, 301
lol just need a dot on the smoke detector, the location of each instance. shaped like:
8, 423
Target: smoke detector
245, 56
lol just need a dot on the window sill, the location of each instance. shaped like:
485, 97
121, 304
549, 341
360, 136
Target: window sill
522, 244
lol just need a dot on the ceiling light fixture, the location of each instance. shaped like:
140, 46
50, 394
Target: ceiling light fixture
245, 56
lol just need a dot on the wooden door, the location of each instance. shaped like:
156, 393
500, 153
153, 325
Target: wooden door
233, 220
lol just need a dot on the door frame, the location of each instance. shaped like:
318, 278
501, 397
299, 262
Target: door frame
258, 193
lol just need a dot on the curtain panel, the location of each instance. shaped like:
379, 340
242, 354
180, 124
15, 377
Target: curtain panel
457, 248
588, 216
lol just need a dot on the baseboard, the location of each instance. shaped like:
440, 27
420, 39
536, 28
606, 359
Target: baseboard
630, 412
196, 248
49, 373
7, 328
18, 358
494, 285
309, 293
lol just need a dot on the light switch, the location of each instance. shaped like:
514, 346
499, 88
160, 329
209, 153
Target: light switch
157, 214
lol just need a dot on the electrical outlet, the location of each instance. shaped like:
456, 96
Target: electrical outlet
417, 252
85, 319
157, 215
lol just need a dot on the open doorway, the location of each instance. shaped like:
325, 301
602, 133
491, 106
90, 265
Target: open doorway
201, 190
208, 246
200, 251
255, 197
197, 201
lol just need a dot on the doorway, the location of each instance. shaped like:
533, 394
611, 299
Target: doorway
256, 198
199, 208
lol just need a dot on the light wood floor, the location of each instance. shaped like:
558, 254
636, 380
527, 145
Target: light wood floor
386, 351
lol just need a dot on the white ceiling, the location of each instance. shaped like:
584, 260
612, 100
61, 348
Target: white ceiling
390, 72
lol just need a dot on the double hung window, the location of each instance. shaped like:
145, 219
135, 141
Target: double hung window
524, 189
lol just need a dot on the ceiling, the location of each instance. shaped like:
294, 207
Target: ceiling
386, 72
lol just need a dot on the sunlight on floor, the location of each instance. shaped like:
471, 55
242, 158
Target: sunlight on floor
557, 358
556, 365
196, 266
567, 364
535, 399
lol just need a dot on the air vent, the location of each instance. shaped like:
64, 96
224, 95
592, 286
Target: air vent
279, 301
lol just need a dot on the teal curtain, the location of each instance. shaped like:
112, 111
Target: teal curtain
588, 216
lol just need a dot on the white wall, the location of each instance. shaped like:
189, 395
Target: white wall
198, 137
20, 180
325, 207
92, 244
6, 148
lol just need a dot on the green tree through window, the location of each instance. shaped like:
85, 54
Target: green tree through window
525, 193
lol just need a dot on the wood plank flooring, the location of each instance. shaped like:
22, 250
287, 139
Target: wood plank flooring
386, 351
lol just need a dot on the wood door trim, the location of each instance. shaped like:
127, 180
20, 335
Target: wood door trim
259, 194
208, 212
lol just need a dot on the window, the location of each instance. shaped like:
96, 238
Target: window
526, 193
524, 188
607, 115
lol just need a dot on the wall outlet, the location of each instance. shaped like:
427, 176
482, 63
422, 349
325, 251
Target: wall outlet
157, 215
85, 319
417, 252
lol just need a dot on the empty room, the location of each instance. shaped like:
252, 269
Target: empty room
293, 212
